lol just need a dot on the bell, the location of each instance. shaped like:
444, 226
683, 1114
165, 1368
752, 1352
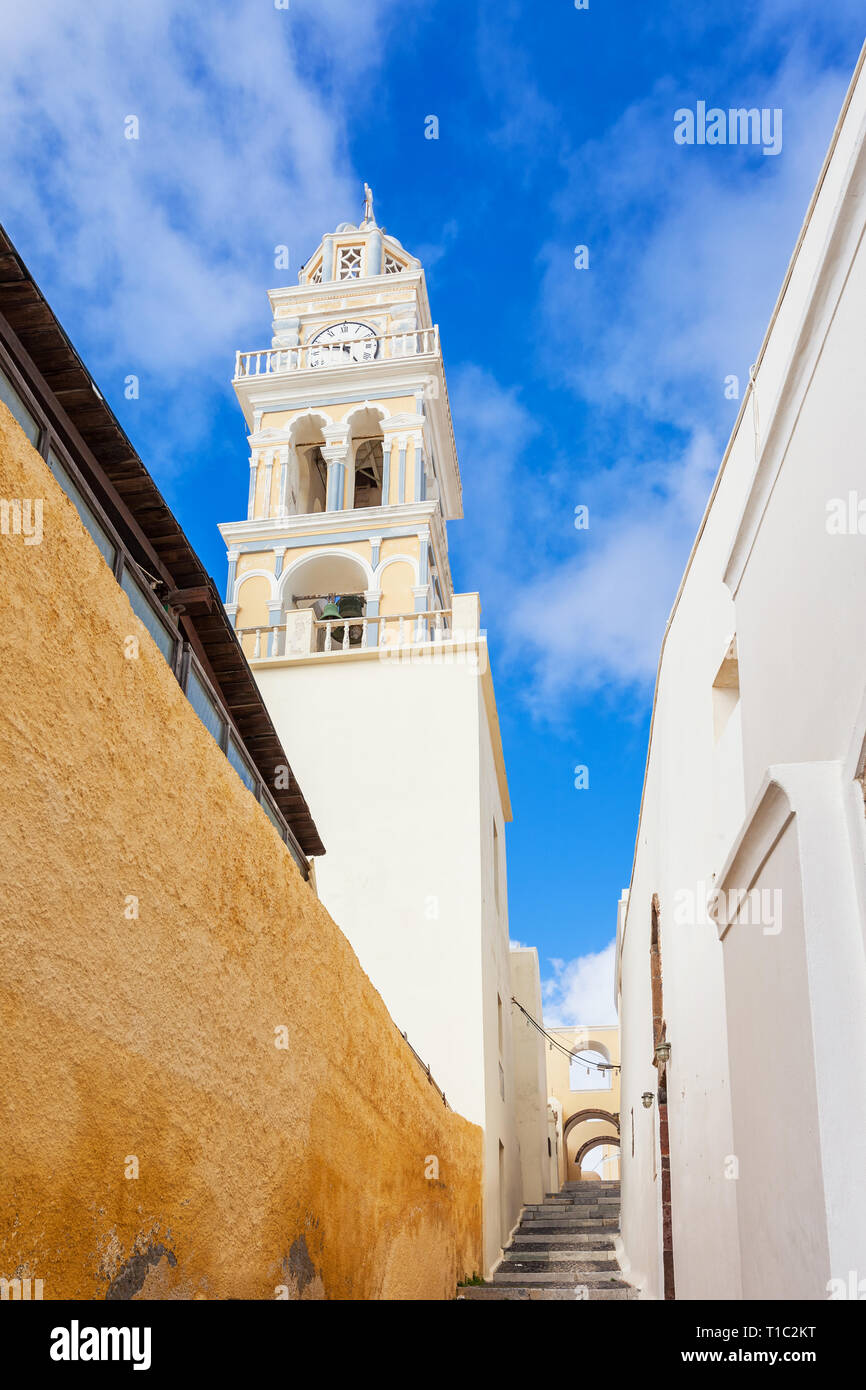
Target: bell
329, 611
351, 606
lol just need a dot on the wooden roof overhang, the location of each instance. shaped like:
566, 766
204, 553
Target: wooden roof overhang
141, 513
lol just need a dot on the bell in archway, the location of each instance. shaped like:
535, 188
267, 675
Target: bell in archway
352, 606
330, 611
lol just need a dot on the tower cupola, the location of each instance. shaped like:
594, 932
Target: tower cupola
357, 252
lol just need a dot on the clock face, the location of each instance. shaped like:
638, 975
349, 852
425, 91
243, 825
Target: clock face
341, 343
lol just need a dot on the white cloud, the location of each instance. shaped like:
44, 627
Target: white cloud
597, 619
688, 248
243, 112
494, 431
580, 991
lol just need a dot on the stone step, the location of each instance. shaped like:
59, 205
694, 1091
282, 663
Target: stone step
573, 1204
583, 1194
571, 1197
583, 1259
605, 1184
552, 1240
581, 1212
487, 1292
576, 1209
572, 1223
587, 1194
580, 1204
561, 1277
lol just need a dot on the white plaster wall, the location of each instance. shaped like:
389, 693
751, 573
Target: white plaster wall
783, 1237
801, 615
530, 1075
397, 766
799, 612
801, 605
679, 851
500, 1124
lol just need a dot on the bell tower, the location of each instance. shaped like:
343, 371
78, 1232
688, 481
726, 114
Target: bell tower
374, 671
353, 469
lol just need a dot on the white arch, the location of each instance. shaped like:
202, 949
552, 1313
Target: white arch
312, 412
336, 551
583, 1077
382, 410
255, 574
395, 560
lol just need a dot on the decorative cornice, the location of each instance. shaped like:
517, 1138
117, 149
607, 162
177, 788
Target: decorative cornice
412, 516
364, 288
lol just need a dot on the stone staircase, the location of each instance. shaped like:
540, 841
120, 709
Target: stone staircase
562, 1249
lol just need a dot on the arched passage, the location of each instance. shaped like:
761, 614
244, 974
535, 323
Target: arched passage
580, 1116
612, 1139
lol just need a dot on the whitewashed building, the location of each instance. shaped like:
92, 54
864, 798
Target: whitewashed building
340, 588
741, 971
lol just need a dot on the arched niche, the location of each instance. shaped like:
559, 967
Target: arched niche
308, 473
366, 456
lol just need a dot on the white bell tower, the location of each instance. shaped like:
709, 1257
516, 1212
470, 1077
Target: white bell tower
375, 672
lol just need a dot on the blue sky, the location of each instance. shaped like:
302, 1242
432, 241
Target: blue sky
602, 387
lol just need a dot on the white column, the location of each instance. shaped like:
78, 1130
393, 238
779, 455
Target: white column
418, 465
401, 489
251, 504
269, 468
275, 614
387, 444
233, 570
335, 457
284, 478
372, 597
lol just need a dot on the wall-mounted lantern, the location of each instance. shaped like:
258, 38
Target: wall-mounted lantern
663, 1052
647, 1098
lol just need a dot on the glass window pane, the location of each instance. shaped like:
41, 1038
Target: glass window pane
240, 765
99, 535
203, 705
142, 609
10, 397
271, 813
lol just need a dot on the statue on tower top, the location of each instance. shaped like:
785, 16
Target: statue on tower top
369, 215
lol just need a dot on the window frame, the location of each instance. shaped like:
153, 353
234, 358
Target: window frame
50, 438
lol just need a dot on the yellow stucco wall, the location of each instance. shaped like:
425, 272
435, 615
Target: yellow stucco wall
253, 596
255, 560
584, 1039
389, 405
153, 1036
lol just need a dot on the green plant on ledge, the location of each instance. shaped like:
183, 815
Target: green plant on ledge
464, 1283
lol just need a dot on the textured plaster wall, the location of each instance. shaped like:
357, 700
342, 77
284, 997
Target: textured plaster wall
152, 1038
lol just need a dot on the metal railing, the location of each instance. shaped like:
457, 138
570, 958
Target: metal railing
424, 1065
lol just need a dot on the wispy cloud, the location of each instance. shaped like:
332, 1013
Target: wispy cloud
242, 115
687, 251
580, 991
